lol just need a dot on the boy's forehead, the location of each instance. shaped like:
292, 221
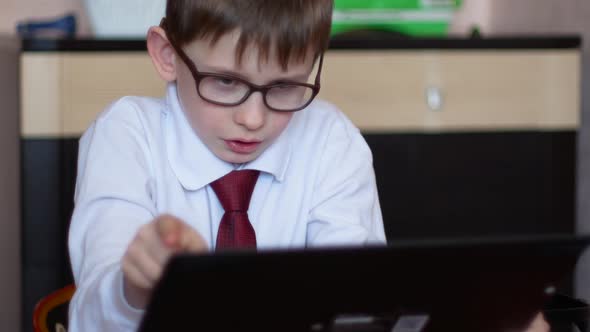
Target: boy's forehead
224, 52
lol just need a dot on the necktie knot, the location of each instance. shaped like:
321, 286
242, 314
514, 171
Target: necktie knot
234, 190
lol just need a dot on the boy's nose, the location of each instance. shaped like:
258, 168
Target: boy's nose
252, 113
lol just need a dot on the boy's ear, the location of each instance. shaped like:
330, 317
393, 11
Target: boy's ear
162, 53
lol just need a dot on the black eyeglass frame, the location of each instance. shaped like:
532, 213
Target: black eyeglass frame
199, 76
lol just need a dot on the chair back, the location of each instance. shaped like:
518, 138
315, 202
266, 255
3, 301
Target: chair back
51, 312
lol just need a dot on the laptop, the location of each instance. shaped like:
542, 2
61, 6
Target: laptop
491, 284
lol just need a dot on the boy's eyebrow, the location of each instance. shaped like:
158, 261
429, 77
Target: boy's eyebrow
218, 70
300, 78
221, 70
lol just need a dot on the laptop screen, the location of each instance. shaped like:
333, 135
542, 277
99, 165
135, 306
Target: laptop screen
464, 285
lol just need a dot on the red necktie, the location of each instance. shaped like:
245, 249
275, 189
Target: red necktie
234, 191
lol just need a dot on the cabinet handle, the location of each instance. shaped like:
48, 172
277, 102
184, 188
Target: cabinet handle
434, 98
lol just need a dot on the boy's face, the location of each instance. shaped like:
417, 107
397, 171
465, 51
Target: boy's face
236, 134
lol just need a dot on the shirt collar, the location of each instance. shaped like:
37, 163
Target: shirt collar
196, 166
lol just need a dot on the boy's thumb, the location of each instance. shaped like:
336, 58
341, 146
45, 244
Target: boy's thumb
169, 230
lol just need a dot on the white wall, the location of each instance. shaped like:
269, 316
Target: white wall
472, 13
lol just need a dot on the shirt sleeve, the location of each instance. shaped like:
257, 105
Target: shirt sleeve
345, 205
112, 201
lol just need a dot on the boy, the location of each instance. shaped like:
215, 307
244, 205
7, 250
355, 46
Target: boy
157, 177
240, 107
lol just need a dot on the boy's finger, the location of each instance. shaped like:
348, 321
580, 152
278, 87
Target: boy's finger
152, 244
148, 264
157, 249
192, 241
539, 324
169, 230
134, 275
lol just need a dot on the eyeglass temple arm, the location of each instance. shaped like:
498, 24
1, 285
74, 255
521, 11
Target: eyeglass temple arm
320, 65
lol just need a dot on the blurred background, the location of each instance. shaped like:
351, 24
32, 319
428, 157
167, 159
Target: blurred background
486, 18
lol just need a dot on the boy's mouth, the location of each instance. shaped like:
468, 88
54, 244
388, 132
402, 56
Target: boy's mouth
242, 147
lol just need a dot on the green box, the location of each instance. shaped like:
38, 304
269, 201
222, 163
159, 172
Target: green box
395, 4
408, 17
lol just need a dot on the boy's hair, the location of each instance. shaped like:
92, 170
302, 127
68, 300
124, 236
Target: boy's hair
292, 27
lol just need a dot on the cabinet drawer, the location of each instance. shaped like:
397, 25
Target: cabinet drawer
475, 90
381, 91
63, 93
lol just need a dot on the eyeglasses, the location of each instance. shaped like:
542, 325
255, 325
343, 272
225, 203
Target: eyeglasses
230, 90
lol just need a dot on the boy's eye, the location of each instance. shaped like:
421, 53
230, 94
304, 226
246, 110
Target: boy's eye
226, 81
287, 87
284, 86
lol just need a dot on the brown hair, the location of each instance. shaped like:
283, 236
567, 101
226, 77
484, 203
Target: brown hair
294, 27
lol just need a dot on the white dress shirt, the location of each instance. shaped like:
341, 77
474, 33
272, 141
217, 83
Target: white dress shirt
141, 158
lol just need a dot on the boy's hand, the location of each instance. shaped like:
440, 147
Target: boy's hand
538, 324
149, 252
